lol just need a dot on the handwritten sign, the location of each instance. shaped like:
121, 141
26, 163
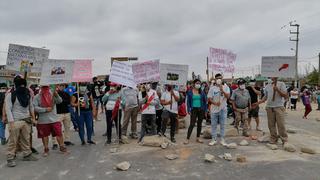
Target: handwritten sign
121, 73
19, 55
278, 66
82, 71
56, 72
174, 74
148, 71
221, 60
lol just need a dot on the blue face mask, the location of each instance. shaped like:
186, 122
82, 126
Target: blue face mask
176, 88
202, 88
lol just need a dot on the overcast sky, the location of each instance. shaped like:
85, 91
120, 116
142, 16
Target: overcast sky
174, 31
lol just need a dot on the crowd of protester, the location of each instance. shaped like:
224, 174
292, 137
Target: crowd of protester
53, 110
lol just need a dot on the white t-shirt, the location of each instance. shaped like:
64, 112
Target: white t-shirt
218, 96
294, 94
167, 97
151, 108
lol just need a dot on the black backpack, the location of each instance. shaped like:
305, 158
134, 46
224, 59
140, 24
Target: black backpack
14, 96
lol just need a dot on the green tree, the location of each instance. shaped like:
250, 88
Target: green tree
312, 78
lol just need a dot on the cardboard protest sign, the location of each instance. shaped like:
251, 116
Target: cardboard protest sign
148, 71
221, 60
82, 71
56, 72
121, 73
174, 74
26, 58
278, 66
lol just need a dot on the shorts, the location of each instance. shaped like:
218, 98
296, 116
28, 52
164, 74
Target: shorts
45, 130
254, 113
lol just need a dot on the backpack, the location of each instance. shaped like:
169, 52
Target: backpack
14, 96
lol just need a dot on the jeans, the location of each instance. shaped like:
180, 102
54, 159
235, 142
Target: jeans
86, 118
144, 121
73, 117
221, 117
2, 130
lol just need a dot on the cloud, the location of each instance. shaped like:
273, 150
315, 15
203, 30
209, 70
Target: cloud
178, 31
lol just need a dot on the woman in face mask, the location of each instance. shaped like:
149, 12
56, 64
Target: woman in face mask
85, 104
306, 100
197, 107
112, 101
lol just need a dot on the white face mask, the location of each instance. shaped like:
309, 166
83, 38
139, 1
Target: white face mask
82, 89
148, 87
242, 86
219, 81
197, 86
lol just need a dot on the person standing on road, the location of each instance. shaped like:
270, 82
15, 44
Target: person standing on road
112, 101
129, 97
169, 100
64, 113
294, 95
275, 95
306, 100
148, 100
254, 92
241, 103
197, 107
20, 115
87, 111
3, 90
48, 124
217, 97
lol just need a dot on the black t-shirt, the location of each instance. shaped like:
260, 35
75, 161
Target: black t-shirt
253, 95
85, 105
63, 107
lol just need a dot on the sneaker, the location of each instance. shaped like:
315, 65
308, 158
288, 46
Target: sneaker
83, 143
11, 163
55, 147
91, 142
68, 143
30, 158
107, 142
173, 140
199, 141
258, 129
105, 134
245, 134
134, 136
213, 142
223, 142
34, 151
3, 141
186, 142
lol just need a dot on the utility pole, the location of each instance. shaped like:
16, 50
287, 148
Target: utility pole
319, 72
207, 69
297, 45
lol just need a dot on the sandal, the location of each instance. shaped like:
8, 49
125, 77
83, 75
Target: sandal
199, 141
46, 152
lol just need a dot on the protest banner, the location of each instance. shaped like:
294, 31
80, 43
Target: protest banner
278, 66
173, 74
121, 73
82, 71
26, 58
56, 72
221, 61
148, 71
